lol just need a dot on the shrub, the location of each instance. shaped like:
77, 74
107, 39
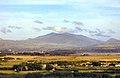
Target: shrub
49, 67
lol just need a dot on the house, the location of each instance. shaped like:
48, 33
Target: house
54, 65
105, 64
43, 66
117, 65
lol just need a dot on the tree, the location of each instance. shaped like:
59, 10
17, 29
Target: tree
95, 63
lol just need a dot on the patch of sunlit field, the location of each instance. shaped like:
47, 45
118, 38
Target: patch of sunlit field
21, 72
10, 63
80, 58
100, 58
40, 71
7, 72
25, 58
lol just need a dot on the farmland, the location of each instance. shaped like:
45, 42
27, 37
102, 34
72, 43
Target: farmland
6, 65
66, 58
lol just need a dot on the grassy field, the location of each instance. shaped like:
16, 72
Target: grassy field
10, 63
21, 72
26, 58
59, 58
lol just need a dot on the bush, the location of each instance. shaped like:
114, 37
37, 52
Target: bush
49, 67
96, 63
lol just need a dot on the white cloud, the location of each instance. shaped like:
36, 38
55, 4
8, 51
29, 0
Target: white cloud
58, 29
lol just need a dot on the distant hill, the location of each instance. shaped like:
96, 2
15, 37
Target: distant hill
50, 41
113, 40
110, 44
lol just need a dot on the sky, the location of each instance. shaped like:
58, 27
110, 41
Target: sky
23, 19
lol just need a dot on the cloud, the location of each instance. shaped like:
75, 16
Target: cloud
90, 31
110, 31
39, 22
96, 32
102, 35
5, 30
65, 21
59, 29
78, 23
37, 29
14, 27
78, 29
99, 33
86, 30
48, 28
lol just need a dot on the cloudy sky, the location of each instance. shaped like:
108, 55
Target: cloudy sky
23, 19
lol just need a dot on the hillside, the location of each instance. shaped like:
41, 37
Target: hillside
50, 41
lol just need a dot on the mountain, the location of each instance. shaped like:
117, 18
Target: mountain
113, 40
50, 41
67, 39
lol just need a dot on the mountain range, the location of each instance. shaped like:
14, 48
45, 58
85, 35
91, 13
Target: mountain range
53, 41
